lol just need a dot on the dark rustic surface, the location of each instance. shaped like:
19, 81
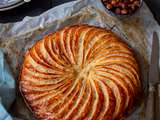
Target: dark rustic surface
28, 9
37, 7
154, 6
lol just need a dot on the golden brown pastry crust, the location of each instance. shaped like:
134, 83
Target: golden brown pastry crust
81, 72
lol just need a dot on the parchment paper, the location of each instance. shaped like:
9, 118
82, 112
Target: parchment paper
136, 30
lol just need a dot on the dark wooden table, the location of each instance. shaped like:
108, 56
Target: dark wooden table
154, 6
36, 7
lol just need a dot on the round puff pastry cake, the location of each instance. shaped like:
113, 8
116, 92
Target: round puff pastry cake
81, 72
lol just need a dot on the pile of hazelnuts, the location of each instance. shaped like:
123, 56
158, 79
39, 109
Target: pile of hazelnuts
122, 7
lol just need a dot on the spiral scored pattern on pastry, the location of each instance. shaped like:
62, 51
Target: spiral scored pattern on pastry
81, 72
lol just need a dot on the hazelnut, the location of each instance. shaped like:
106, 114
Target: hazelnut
124, 11
122, 6
118, 11
113, 2
109, 6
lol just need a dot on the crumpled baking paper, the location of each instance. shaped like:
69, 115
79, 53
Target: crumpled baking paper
136, 30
